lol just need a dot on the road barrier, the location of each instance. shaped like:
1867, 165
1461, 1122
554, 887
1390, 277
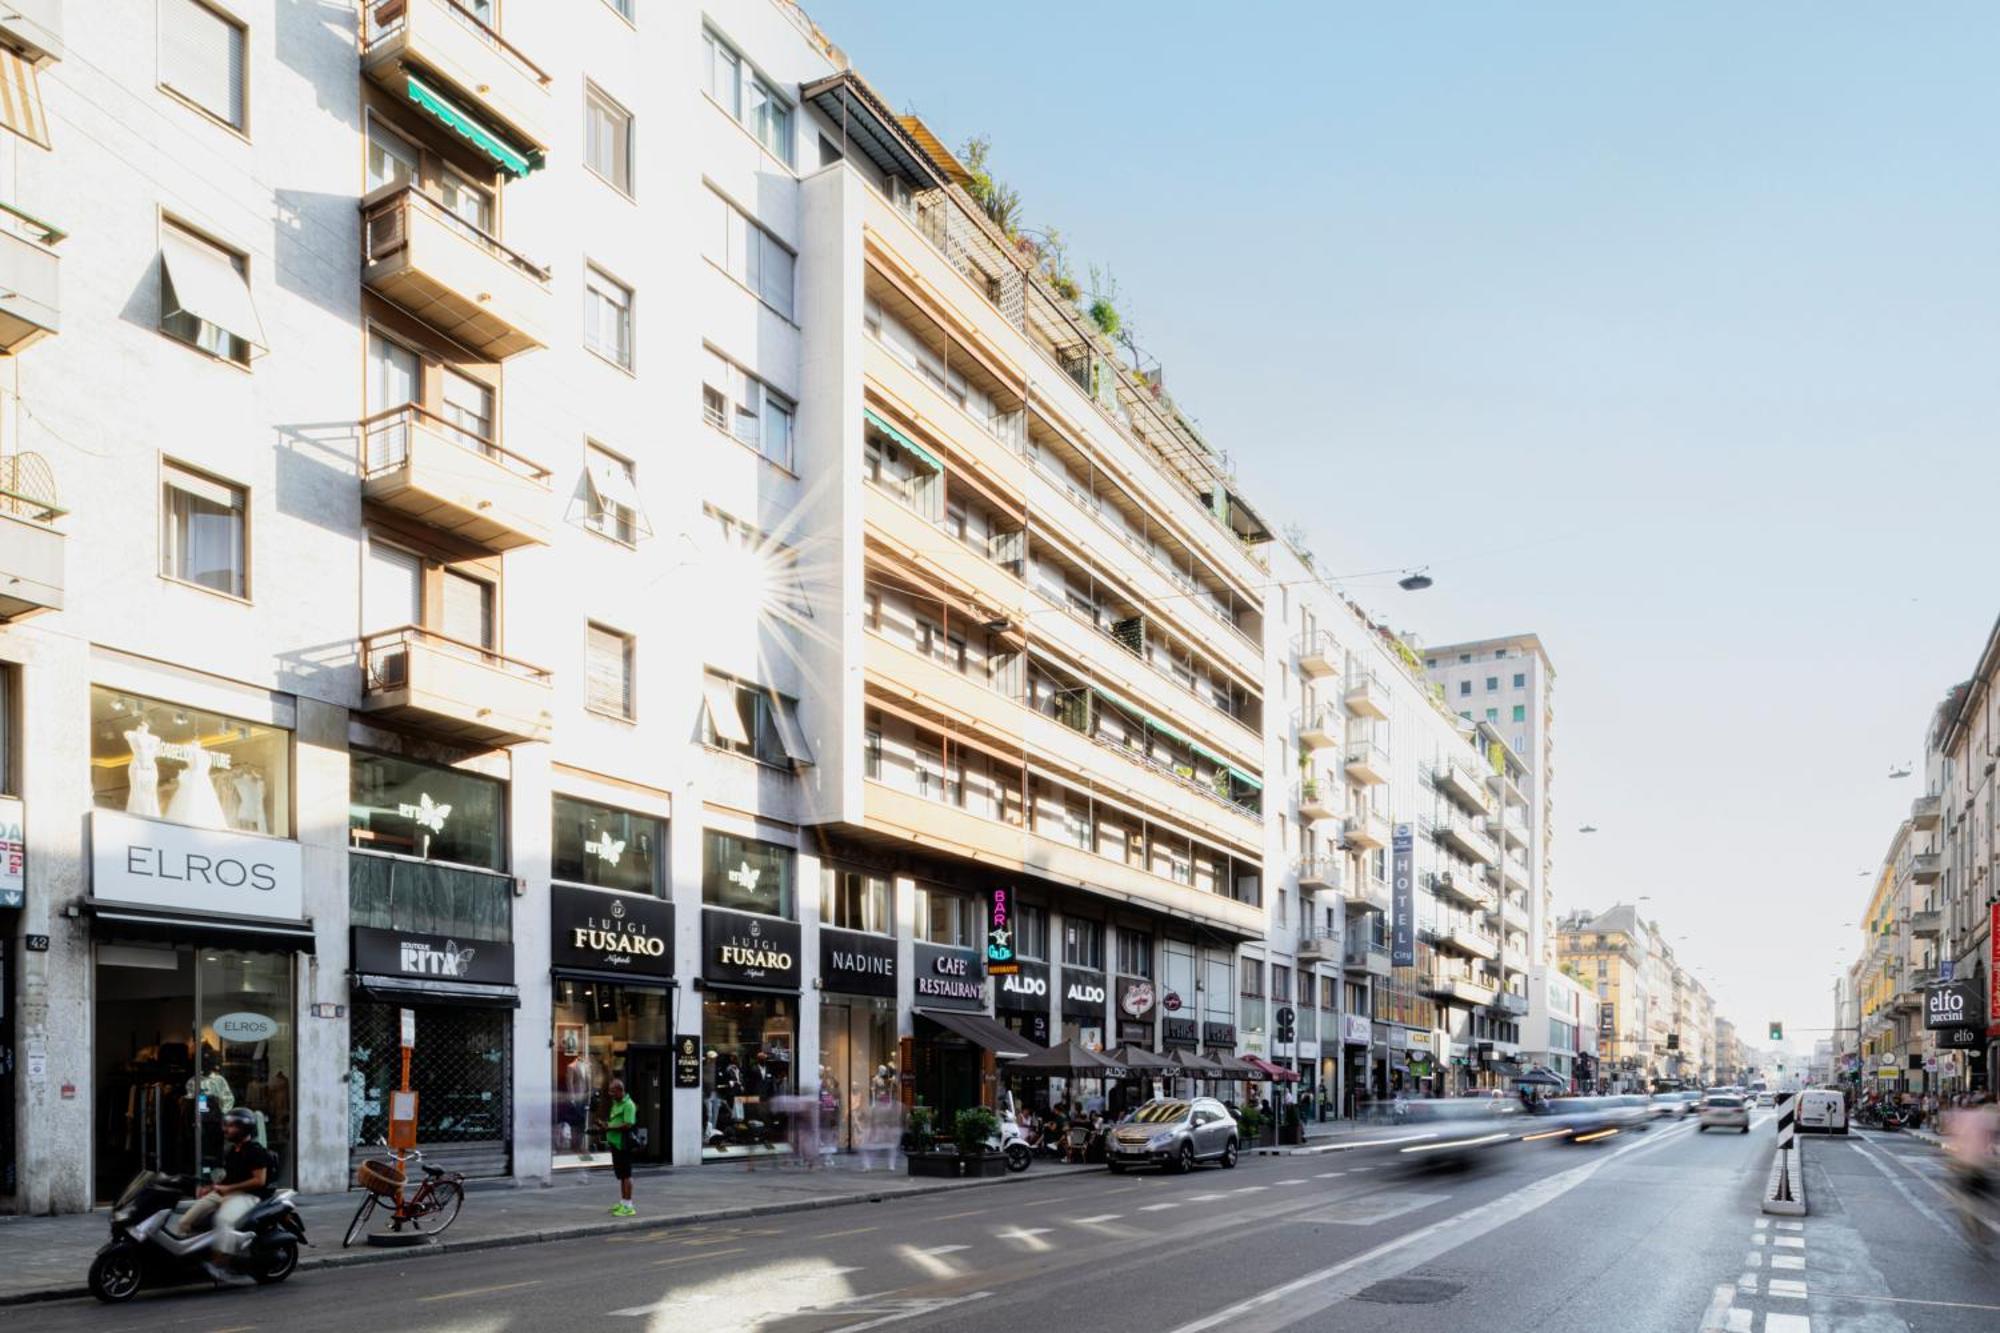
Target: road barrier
1785, 1192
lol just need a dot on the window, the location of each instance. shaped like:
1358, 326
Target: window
871, 750
608, 848
430, 812
607, 144
751, 720
1492, 684
1492, 715
205, 296
1464, 688
747, 409
466, 609
1520, 680
468, 410
737, 245
204, 531
1253, 976
469, 202
947, 918
607, 317
626, 9
856, 900
168, 761
746, 875
607, 671
1135, 953
1031, 932
1083, 944
611, 502
748, 97
202, 59
1520, 712
392, 159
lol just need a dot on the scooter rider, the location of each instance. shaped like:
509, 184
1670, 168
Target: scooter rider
247, 1168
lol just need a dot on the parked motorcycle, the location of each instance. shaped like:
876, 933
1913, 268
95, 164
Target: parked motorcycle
144, 1252
1020, 1153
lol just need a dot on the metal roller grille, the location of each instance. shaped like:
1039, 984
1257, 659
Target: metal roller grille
461, 1073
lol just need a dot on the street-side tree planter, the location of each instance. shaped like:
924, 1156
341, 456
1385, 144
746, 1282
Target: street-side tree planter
940, 1162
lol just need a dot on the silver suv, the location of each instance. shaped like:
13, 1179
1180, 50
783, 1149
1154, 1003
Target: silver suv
1173, 1132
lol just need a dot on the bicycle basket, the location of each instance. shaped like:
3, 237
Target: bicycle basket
379, 1177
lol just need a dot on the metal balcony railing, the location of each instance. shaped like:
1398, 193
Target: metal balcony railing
28, 488
385, 657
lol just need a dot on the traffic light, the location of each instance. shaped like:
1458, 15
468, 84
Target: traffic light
1777, 1030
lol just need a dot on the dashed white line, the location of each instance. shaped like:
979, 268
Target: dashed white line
1093, 1221
1328, 1175
1300, 1181
1790, 1242
944, 1249
1158, 1207
1789, 1288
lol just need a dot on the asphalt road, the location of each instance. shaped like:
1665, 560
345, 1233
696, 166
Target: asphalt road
1652, 1231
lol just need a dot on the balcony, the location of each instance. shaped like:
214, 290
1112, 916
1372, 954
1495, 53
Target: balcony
1367, 764
453, 276
1925, 812
34, 28
1367, 831
1369, 894
30, 280
1506, 831
1925, 867
1367, 956
1319, 947
452, 688
1514, 873
1367, 696
1321, 874
1462, 838
1315, 800
1922, 977
1927, 925
421, 465
1318, 656
1450, 987
1467, 941
1319, 728
31, 548
443, 42
1457, 779
1514, 914
1459, 887
1507, 1002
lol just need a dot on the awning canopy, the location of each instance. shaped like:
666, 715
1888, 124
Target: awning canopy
470, 128
902, 438
418, 989
982, 1032
1140, 1060
1200, 1066
866, 123
1235, 1067
1276, 1073
164, 924
204, 284
21, 99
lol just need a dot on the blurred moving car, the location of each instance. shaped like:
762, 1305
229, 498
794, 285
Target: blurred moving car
1173, 1133
1724, 1110
1452, 1130
1589, 1118
1766, 1098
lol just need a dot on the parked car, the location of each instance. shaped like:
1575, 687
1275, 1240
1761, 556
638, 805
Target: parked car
1174, 1133
1822, 1111
1767, 1098
1724, 1110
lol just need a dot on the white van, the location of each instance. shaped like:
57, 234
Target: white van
1822, 1111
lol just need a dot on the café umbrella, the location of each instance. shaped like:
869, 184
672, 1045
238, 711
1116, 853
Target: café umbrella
1066, 1060
1141, 1061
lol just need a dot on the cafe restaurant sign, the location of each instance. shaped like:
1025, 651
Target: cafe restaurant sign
602, 931
948, 978
151, 863
744, 949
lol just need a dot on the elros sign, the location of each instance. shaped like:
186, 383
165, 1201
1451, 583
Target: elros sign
948, 978
741, 948
151, 863
245, 1027
1403, 900
1952, 1004
603, 931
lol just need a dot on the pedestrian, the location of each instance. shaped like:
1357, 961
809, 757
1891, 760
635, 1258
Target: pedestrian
619, 1121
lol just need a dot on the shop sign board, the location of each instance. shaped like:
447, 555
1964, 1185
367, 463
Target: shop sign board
245, 1028
1135, 997
1962, 1039
854, 963
1993, 970
1952, 1004
1180, 1032
13, 854
1419, 1040
1354, 1029
1083, 994
742, 948
1025, 992
605, 931
1218, 1034
406, 953
948, 978
687, 1060
1000, 958
151, 863
1403, 899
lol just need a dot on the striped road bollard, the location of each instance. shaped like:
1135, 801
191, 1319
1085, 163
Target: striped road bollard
1786, 1192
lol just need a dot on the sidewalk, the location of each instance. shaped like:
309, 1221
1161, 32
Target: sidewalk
48, 1258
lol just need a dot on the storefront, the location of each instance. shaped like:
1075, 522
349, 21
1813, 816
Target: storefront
611, 970
951, 1064
859, 1078
1138, 1002
750, 997
197, 906
1083, 1006
432, 912
1021, 1001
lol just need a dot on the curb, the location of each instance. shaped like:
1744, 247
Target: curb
580, 1231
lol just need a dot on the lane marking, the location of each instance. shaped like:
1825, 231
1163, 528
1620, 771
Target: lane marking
1328, 1175
953, 1217
1251, 1189
936, 1250
698, 1254
482, 1291
1203, 1198
1790, 1242
1790, 1226
1908, 1300
1093, 1221
1021, 1233
1713, 1319
893, 1310
851, 1231
1299, 1181
1158, 1207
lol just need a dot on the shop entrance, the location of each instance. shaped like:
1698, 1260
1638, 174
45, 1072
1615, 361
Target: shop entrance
857, 1076
183, 1034
605, 1031
947, 1072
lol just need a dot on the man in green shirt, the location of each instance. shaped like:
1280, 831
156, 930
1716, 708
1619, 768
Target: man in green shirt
618, 1123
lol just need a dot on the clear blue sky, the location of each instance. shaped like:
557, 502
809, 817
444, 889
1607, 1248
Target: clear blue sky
1665, 331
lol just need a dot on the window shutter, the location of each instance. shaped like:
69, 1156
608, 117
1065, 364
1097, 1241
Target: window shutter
202, 58
607, 672
720, 697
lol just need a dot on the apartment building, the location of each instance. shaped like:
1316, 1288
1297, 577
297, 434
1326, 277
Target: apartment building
1956, 903
1608, 952
1728, 1052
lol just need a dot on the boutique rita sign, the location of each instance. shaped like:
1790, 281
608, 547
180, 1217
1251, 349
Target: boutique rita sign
740, 948
599, 931
404, 953
948, 978
1000, 959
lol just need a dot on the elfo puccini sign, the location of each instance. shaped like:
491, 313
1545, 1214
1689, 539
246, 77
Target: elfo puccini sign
603, 931
1952, 1004
151, 863
1403, 900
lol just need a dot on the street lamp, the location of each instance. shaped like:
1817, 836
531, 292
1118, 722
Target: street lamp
1415, 581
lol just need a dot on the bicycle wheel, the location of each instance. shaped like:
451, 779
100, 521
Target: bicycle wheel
442, 1208
359, 1226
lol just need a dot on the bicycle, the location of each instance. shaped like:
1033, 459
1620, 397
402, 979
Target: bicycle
429, 1211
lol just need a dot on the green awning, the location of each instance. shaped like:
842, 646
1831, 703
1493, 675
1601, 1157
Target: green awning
462, 123
922, 454
1165, 730
1252, 783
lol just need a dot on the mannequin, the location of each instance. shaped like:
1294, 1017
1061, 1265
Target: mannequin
194, 801
248, 785
142, 795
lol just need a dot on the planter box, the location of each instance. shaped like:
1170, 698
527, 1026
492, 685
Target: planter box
1291, 1136
987, 1164
951, 1166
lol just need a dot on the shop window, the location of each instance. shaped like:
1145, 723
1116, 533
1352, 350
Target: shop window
1031, 932
425, 811
856, 900
1083, 944
204, 531
168, 761
748, 1072
608, 848
947, 918
746, 875
463, 1080
602, 1032
389, 893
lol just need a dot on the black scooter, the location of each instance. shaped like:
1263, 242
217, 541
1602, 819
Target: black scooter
143, 1251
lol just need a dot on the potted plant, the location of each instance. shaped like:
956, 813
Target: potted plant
1251, 1122
975, 1130
1293, 1132
926, 1158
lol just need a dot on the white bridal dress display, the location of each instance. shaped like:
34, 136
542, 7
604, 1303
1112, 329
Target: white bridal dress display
142, 793
195, 801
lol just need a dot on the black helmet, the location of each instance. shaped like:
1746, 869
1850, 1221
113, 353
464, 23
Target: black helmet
242, 1117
